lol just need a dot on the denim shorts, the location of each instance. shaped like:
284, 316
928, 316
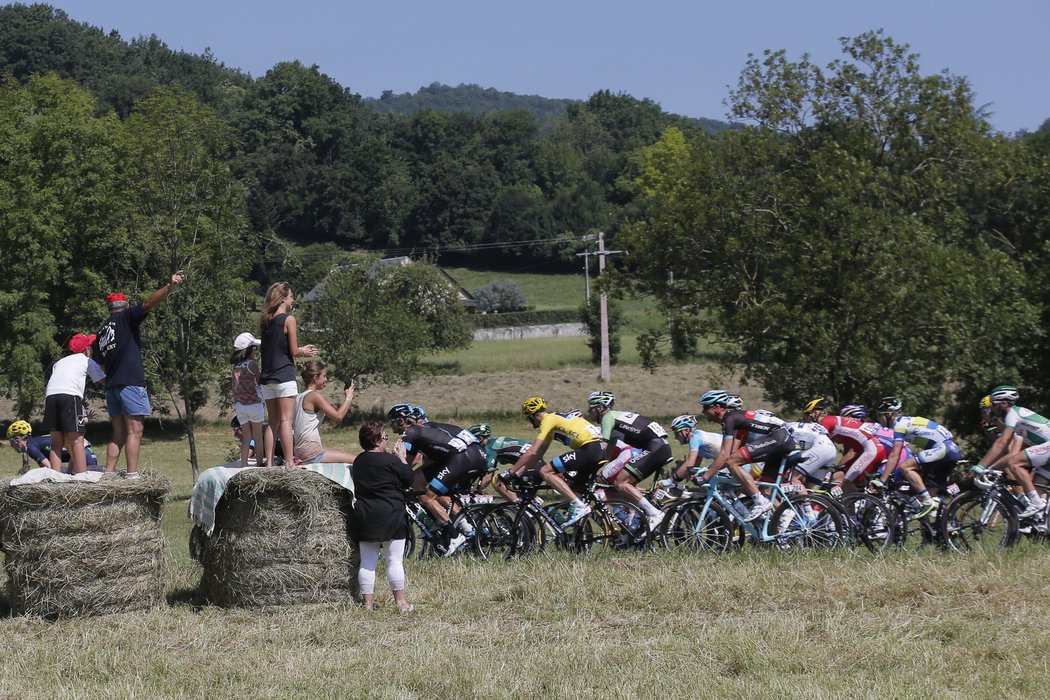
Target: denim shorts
127, 401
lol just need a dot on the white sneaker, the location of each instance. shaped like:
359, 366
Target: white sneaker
455, 543
655, 520
576, 515
758, 510
1032, 509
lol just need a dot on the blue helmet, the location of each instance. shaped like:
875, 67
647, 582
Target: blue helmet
715, 397
419, 414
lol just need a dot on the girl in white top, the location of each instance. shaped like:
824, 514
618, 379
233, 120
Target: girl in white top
311, 407
64, 413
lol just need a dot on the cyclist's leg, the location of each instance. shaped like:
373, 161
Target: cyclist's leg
638, 469
870, 457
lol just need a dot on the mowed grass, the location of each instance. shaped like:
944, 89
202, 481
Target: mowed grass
756, 624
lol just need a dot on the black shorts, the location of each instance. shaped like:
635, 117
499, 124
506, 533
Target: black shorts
645, 465
583, 460
770, 450
64, 413
460, 468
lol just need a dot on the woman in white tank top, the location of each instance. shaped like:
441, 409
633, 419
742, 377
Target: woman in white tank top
311, 407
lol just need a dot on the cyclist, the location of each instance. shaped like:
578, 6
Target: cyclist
935, 452
585, 457
639, 432
501, 450
702, 445
1021, 428
818, 451
747, 437
451, 461
863, 453
37, 449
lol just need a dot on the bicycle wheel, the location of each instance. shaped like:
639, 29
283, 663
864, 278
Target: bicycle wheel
698, 528
978, 520
871, 520
499, 536
630, 526
808, 522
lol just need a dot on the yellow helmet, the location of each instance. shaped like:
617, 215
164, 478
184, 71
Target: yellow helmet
533, 405
986, 402
19, 427
815, 404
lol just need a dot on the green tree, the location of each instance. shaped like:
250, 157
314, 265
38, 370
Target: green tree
63, 208
375, 322
834, 241
188, 215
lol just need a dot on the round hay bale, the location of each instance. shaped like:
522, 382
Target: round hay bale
280, 539
81, 548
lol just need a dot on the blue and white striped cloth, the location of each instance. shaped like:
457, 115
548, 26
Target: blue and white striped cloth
211, 484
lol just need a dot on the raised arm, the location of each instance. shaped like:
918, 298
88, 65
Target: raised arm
162, 293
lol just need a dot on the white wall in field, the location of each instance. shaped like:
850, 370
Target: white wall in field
552, 330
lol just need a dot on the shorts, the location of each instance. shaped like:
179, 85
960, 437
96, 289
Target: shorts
645, 464
250, 413
937, 463
316, 459
873, 455
817, 460
583, 460
617, 463
64, 413
459, 468
127, 401
1038, 455
771, 449
279, 391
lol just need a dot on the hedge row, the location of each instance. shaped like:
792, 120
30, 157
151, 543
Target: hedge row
523, 318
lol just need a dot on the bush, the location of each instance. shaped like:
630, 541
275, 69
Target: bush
590, 316
502, 295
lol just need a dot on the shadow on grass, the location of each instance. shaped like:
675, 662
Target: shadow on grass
192, 598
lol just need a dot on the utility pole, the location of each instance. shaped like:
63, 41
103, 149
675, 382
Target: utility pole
603, 304
586, 255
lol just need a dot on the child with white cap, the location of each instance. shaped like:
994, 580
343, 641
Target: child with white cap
247, 398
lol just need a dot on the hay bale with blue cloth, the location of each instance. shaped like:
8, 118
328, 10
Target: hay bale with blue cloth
272, 536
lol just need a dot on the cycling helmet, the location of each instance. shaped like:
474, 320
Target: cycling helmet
890, 404
854, 410
816, 405
683, 422
574, 413
1005, 392
480, 430
734, 401
19, 428
400, 410
419, 414
985, 402
601, 398
715, 397
533, 405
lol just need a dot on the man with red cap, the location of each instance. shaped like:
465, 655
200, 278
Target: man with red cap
120, 352
64, 414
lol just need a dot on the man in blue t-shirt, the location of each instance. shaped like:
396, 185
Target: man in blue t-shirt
120, 353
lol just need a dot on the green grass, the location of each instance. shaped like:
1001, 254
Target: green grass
756, 624
530, 353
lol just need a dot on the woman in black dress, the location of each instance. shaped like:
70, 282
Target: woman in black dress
380, 480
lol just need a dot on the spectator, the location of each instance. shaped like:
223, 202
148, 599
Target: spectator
280, 343
278, 461
248, 403
120, 354
36, 450
64, 414
378, 520
311, 407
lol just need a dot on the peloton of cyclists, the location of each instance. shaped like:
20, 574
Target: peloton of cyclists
863, 453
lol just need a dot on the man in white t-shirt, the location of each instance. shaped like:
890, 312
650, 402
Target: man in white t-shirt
64, 414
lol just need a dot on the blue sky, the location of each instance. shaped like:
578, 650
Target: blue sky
685, 55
